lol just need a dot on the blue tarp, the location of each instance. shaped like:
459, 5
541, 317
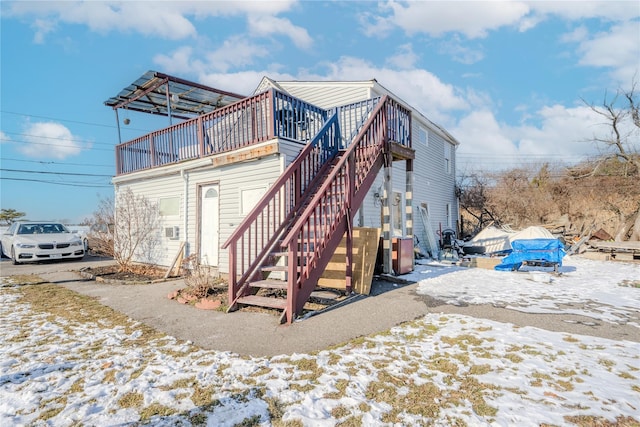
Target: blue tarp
539, 250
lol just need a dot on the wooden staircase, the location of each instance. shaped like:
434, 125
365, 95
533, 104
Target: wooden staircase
278, 253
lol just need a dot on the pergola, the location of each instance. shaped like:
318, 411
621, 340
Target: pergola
162, 94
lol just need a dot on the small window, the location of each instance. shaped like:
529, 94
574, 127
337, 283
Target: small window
249, 198
447, 158
423, 136
170, 206
448, 214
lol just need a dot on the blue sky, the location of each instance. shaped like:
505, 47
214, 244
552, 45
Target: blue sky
507, 79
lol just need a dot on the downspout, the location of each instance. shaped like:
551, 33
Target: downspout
185, 212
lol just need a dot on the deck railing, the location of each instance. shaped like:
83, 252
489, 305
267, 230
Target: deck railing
268, 115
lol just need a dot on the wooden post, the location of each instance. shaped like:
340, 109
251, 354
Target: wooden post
409, 202
387, 219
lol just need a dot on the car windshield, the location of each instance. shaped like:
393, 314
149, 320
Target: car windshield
42, 229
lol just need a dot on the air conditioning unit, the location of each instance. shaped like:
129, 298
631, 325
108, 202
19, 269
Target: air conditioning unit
172, 233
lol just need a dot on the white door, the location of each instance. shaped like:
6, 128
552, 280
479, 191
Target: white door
209, 236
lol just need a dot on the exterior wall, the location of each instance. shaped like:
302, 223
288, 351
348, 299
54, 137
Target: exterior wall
432, 184
232, 179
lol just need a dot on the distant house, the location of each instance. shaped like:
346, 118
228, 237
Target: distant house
271, 183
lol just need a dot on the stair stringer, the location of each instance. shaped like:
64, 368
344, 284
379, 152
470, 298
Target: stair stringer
296, 299
332, 209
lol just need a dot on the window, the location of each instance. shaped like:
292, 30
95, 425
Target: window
170, 206
447, 157
423, 136
249, 197
448, 212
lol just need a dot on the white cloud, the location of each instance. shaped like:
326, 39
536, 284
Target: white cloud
578, 35
417, 87
267, 25
578, 9
49, 140
405, 57
483, 142
236, 51
179, 61
459, 52
242, 82
4, 137
166, 19
561, 134
473, 19
618, 49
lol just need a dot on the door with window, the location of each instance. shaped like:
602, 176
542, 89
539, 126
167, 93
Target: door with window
209, 224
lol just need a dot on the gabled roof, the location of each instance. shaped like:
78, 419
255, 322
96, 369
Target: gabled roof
151, 92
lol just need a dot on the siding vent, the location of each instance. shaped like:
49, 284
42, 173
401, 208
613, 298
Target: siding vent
173, 233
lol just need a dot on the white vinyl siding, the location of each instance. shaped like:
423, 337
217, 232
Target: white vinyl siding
329, 94
231, 179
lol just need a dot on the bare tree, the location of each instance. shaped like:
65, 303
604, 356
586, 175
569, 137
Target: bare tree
135, 229
473, 193
622, 117
101, 228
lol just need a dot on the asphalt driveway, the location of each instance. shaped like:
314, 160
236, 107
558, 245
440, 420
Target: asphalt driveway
259, 334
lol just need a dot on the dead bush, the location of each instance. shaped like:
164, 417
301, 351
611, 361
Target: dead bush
198, 278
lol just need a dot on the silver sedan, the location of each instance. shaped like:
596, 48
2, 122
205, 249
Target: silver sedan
40, 241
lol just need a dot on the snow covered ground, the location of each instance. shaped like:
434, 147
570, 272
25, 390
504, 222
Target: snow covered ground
439, 370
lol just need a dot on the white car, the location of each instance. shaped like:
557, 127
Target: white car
40, 241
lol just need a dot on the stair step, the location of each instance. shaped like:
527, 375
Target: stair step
274, 268
278, 303
269, 284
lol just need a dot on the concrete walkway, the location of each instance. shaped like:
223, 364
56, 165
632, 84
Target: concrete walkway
259, 334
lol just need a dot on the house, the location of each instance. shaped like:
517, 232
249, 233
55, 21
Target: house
265, 187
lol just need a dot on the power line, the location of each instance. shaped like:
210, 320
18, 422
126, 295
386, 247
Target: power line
55, 173
75, 184
68, 121
60, 145
82, 141
57, 119
56, 163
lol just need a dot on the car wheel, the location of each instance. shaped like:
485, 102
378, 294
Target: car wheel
13, 256
2, 255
